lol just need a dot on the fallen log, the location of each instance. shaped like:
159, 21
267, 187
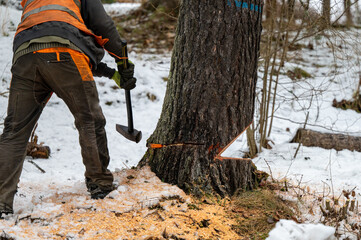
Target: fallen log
310, 138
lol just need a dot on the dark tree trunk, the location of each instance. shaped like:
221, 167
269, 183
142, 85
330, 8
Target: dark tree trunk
210, 97
290, 9
271, 9
326, 11
347, 7
338, 142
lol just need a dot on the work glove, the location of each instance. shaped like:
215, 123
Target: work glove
126, 84
125, 73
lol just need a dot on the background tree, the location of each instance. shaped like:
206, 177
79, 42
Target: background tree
357, 12
271, 9
290, 9
348, 14
326, 11
210, 96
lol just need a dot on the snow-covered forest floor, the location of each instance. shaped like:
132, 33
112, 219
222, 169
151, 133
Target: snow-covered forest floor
317, 175
55, 204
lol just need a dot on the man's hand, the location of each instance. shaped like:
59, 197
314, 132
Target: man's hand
126, 73
128, 84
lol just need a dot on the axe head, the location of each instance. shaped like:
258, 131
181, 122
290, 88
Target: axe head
134, 135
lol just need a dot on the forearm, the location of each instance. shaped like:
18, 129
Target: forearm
102, 70
97, 20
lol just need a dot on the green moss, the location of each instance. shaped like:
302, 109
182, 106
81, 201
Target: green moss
302, 73
257, 212
298, 73
316, 65
193, 206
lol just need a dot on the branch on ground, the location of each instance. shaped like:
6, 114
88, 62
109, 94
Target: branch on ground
36, 150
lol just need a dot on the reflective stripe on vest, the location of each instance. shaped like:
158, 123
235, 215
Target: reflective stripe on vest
40, 11
50, 7
77, 2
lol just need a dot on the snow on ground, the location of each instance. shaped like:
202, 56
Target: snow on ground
118, 9
325, 172
331, 79
286, 230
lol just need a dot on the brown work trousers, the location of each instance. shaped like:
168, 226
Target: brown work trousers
35, 76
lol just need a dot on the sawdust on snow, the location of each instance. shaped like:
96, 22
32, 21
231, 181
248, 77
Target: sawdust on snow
142, 207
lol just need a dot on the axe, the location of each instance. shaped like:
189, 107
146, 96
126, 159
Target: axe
102, 70
128, 131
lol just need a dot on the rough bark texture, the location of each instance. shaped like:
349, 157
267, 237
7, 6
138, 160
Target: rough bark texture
339, 142
210, 96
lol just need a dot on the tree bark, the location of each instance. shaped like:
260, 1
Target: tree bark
338, 142
210, 97
326, 12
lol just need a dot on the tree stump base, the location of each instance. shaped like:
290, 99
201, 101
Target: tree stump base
230, 175
200, 175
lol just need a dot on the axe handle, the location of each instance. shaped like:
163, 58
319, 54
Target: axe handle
129, 111
127, 93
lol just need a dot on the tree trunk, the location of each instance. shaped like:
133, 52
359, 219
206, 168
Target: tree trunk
326, 11
357, 17
210, 97
347, 7
271, 9
290, 9
338, 142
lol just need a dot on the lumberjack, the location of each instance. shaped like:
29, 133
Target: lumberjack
56, 47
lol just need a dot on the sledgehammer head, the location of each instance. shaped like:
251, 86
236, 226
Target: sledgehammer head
134, 135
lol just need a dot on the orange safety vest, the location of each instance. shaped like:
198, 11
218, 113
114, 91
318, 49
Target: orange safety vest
40, 11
